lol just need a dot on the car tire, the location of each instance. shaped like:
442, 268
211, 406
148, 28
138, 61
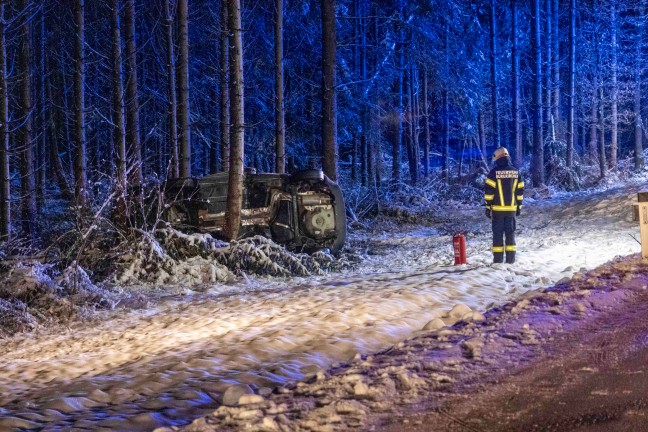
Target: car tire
340, 217
307, 175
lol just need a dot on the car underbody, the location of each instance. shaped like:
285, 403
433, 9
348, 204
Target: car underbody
303, 211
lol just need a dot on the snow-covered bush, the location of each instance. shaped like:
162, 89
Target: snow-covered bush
15, 317
75, 283
33, 293
257, 255
171, 257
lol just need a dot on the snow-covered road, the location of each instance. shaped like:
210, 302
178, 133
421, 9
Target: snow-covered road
168, 365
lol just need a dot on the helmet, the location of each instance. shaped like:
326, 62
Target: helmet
500, 152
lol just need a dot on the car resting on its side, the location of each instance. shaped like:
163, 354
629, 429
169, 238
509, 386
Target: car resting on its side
303, 211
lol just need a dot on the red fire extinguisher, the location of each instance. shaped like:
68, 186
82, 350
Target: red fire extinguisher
459, 246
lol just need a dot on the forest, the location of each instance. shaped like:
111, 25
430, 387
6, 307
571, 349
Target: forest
341, 271
100, 98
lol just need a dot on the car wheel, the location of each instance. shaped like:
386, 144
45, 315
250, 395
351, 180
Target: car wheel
340, 217
308, 175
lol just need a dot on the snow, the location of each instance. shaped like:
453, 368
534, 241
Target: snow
419, 374
31, 292
141, 370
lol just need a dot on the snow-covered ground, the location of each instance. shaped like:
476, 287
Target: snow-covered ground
170, 364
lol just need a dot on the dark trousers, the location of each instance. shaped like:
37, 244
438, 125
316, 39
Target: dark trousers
504, 226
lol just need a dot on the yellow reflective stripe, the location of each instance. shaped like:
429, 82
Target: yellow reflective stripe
497, 249
504, 208
501, 192
513, 192
520, 197
490, 183
510, 248
489, 197
520, 185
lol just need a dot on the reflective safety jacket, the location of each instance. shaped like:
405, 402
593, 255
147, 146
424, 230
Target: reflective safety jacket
503, 188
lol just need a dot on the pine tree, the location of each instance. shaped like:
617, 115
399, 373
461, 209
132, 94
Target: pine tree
280, 109
237, 129
119, 132
172, 114
80, 166
638, 72
183, 93
515, 83
494, 81
537, 162
572, 84
614, 90
223, 85
5, 174
134, 146
329, 108
26, 144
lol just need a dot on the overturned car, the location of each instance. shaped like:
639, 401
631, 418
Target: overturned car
303, 211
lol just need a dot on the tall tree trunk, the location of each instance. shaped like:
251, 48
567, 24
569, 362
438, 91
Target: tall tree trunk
411, 128
174, 169
407, 125
426, 117
601, 111
329, 109
515, 68
61, 71
370, 125
80, 167
280, 109
592, 150
614, 90
364, 140
537, 161
223, 84
134, 145
556, 61
398, 141
5, 175
493, 67
481, 131
572, 83
548, 112
363, 152
237, 130
41, 166
601, 131
27, 180
416, 116
354, 156
355, 66
445, 166
376, 129
638, 130
355, 50
183, 84
119, 132
213, 145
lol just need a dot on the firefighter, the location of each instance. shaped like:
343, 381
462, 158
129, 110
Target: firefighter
503, 194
